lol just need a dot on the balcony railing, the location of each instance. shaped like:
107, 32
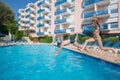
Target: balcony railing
40, 10
61, 11
88, 15
59, 21
19, 19
98, 13
89, 2
40, 33
32, 15
40, 18
40, 25
101, 12
60, 31
27, 10
87, 30
18, 25
60, 2
40, 3
27, 16
27, 22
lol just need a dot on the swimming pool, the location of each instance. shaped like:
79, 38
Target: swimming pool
37, 62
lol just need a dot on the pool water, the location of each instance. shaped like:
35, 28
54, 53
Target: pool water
37, 62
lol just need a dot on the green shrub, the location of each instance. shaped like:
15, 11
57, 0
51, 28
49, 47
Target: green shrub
81, 39
65, 37
46, 39
18, 35
72, 36
110, 39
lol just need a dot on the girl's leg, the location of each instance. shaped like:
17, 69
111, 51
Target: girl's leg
86, 42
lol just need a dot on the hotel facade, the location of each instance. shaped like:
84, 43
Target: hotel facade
57, 18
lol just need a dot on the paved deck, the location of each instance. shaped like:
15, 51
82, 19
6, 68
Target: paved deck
104, 55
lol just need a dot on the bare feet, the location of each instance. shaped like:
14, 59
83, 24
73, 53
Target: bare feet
78, 49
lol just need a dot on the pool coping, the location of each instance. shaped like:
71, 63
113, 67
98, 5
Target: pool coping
98, 58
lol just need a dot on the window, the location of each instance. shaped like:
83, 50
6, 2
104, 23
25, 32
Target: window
114, 25
72, 29
73, 9
114, 11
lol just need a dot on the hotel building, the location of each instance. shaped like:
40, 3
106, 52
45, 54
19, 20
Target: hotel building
63, 17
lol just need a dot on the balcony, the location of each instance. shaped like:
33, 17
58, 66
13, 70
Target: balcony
27, 10
88, 15
18, 25
46, 3
31, 21
32, 9
40, 33
40, 25
27, 25
22, 14
90, 2
62, 21
19, 19
47, 33
31, 28
25, 19
63, 2
46, 10
40, 10
60, 31
46, 18
22, 24
102, 2
22, 29
27, 16
40, 3
46, 25
27, 22
99, 13
40, 18
64, 11
32, 15
87, 30
102, 13
43, 25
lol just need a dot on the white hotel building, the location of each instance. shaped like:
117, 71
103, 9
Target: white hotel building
63, 17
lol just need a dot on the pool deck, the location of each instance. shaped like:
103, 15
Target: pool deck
103, 55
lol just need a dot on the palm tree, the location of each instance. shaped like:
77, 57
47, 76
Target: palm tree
26, 30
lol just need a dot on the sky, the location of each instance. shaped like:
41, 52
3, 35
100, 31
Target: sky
17, 4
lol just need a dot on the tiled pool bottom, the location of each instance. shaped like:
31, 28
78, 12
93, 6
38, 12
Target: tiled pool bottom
37, 62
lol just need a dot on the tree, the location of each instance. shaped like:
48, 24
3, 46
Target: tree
12, 28
3, 29
18, 35
6, 14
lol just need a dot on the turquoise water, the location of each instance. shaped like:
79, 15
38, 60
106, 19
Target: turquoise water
37, 62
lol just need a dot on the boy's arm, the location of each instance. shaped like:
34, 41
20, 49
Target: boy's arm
61, 46
58, 51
